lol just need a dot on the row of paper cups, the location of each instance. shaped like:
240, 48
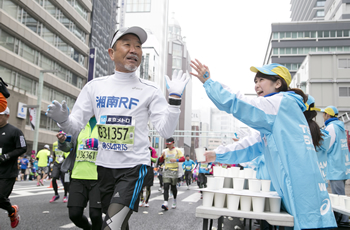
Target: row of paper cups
233, 202
234, 172
340, 200
255, 185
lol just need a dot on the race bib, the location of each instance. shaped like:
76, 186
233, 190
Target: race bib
188, 167
168, 157
116, 133
58, 153
87, 155
204, 165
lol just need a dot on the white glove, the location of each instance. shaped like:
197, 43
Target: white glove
177, 85
58, 112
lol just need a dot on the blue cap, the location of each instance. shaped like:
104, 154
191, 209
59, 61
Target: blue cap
310, 104
331, 110
274, 69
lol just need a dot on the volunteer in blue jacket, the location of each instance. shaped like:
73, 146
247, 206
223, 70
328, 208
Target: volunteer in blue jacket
277, 113
188, 166
338, 155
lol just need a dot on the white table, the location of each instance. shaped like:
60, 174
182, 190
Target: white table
341, 210
277, 219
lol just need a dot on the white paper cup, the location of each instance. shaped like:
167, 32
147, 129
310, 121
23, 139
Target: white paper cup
219, 200
248, 173
211, 183
200, 154
241, 174
238, 184
254, 185
336, 200
225, 172
275, 204
265, 185
233, 202
228, 182
219, 182
208, 198
347, 203
235, 171
217, 170
254, 174
246, 202
342, 200
258, 204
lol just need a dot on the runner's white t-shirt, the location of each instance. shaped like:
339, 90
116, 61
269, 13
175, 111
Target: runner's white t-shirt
122, 104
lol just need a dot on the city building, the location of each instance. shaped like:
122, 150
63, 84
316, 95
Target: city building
325, 76
41, 37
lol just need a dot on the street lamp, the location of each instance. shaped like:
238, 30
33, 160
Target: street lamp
37, 117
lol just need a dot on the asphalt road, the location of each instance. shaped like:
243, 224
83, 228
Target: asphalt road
37, 213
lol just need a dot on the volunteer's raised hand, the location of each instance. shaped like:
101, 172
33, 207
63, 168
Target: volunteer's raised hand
58, 112
203, 73
177, 84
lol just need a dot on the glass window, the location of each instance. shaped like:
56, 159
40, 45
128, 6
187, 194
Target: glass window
333, 33
6, 75
28, 53
344, 91
7, 41
343, 63
326, 34
313, 49
307, 34
275, 35
306, 50
326, 49
319, 49
25, 84
46, 95
10, 8
300, 34
294, 50
288, 34
339, 49
294, 35
46, 63
320, 13
313, 34
346, 48
289, 66
58, 96
282, 35
275, 51
177, 63
320, 34
48, 36
339, 33
300, 50
346, 33
43, 121
30, 22
282, 50
320, 3
294, 66
288, 50
177, 50
333, 49
138, 6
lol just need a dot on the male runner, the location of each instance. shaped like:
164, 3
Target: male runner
42, 157
171, 156
12, 145
122, 104
59, 157
189, 166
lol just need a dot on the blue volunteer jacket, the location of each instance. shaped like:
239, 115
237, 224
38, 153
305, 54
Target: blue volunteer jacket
188, 165
322, 154
287, 146
338, 154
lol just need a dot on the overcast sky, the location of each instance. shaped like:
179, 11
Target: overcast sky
229, 36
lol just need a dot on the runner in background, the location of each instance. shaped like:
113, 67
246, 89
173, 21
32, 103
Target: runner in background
12, 145
59, 156
171, 156
42, 158
188, 166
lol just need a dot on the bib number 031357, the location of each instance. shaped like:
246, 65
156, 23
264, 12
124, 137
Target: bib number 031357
118, 134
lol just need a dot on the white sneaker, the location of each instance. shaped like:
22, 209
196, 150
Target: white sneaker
141, 204
160, 189
174, 204
146, 205
188, 187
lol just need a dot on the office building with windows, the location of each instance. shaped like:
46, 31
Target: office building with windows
46, 35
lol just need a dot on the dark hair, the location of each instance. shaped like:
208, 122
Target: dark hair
187, 155
284, 87
314, 128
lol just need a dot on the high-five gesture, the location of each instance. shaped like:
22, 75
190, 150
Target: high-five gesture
203, 73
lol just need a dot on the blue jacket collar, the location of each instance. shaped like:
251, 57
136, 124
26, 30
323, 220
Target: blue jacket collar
330, 120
